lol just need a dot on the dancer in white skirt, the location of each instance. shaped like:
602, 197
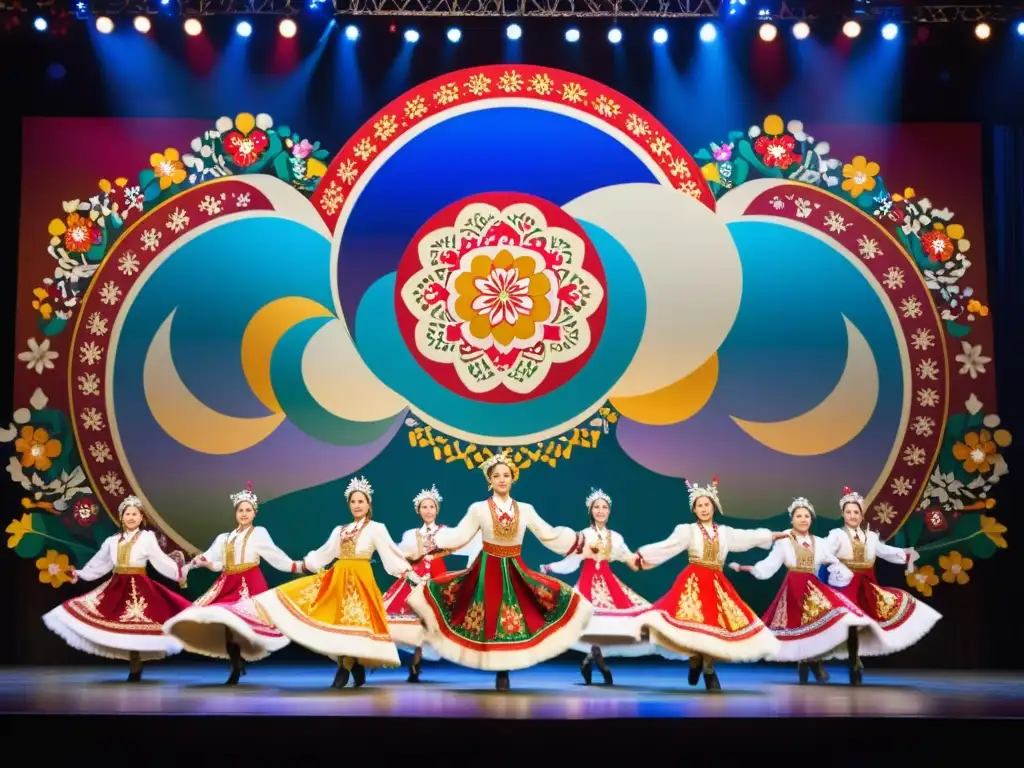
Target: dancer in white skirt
123, 618
810, 618
616, 626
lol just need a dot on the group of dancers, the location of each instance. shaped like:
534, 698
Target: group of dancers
497, 614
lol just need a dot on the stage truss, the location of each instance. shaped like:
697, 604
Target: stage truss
654, 9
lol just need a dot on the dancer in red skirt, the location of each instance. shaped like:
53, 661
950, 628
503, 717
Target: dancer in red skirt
418, 545
702, 616
123, 618
808, 617
616, 626
902, 618
223, 622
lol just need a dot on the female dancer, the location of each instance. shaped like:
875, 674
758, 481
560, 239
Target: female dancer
902, 618
405, 626
223, 622
339, 612
123, 618
702, 616
808, 617
616, 623
499, 615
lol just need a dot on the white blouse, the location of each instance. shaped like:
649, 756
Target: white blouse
840, 542
505, 527
600, 544
784, 554
689, 538
358, 541
142, 547
247, 546
413, 541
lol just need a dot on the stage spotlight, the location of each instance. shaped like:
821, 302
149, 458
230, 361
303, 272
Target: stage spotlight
890, 31
244, 29
40, 24
514, 32
352, 33
851, 29
572, 35
983, 31
193, 27
454, 34
801, 30
142, 24
104, 25
287, 28
411, 36
1020, 28
661, 35
708, 33
768, 32
614, 36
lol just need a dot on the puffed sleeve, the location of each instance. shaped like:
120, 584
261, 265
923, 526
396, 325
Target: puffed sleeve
742, 539
888, 553
261, 544
391, 557
409, 545
214, 555
569, 565
471, 550
319, 559
558, 539
620, 552
99, 564
660, 552
159, 559
834, 540
459, 536
770, 565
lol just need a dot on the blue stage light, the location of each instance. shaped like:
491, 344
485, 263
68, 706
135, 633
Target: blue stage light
572, 35
890, 31
736, 5
1020, 28
454, 34
411, 36
352, 32
244, 29
708, 33
661, 35
40, 24
614, 36
514, 32
165, 2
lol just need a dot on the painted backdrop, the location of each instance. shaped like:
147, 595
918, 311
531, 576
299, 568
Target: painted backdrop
502, 259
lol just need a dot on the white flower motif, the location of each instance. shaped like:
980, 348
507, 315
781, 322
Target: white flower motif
922, 339
89, 384
110, 293
39, 356
836, 223
914, 456
928, 370
90, 352
911, 307
973, 404
884, 513
893, 278
100, 452
112, 484
178, 220
128, 264
151, 239
868, 247
242, 200
901, 486
928, 398
923, 426
96, 324
210, 205
973, 362
92, 419
803, 208
777, 203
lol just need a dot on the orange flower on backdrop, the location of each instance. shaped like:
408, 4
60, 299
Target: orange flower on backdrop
36, 448
54, 569
859, 176
923, 579
977, 452
955, 567
994, 530
168, 167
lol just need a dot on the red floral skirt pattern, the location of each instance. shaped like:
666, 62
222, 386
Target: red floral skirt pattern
127, 603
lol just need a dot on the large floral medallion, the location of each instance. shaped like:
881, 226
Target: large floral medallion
509, 299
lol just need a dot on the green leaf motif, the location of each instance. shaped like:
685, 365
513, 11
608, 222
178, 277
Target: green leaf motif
703, 155
913, 528
983, 547
957, 330
52, 327
284, 132
736, 135
740, 171
281, 169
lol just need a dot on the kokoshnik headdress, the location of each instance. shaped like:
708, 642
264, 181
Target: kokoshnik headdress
245, 495
596, 494
851, 497
801, 502
359, 484
500, 458
711, 491
425, 494
129, 501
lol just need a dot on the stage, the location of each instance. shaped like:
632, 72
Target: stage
759, 701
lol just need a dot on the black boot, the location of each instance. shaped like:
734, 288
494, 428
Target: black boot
358, 674
501, 682
237, 664
134, 667
803, 672
341, 676
414, 666
696, 663
587, 669
853, 648
819, 671
602, 665
711, 677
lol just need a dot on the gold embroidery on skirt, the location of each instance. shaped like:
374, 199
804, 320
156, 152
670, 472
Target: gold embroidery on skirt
353, 611
814, 605
135, 608
600, 595
781, 617
689, 607
91, 601
450, 593
309, 593
885, 602
245, 589
511, 619
473, 621
728, 611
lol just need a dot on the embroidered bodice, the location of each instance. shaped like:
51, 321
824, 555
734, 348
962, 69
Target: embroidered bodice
503, 523
600, 544
857, 549
419, 543
801, 553
244, 548
132, 551
358, 541
705, 545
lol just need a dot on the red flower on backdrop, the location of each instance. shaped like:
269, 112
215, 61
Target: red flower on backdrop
81, 234
777, 151
247, 142
85, 512
937, 245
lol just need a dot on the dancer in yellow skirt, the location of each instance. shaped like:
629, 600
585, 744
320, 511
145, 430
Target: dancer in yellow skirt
339, 612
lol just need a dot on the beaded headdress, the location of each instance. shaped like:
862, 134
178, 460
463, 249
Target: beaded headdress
245, 495
596, 494
129, 501
425, 494
851, 497
801, 502
359, 484
711, 491
500, 458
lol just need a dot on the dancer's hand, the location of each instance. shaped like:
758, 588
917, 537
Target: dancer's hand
912, 557
738, 568
74, 577
545, 569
